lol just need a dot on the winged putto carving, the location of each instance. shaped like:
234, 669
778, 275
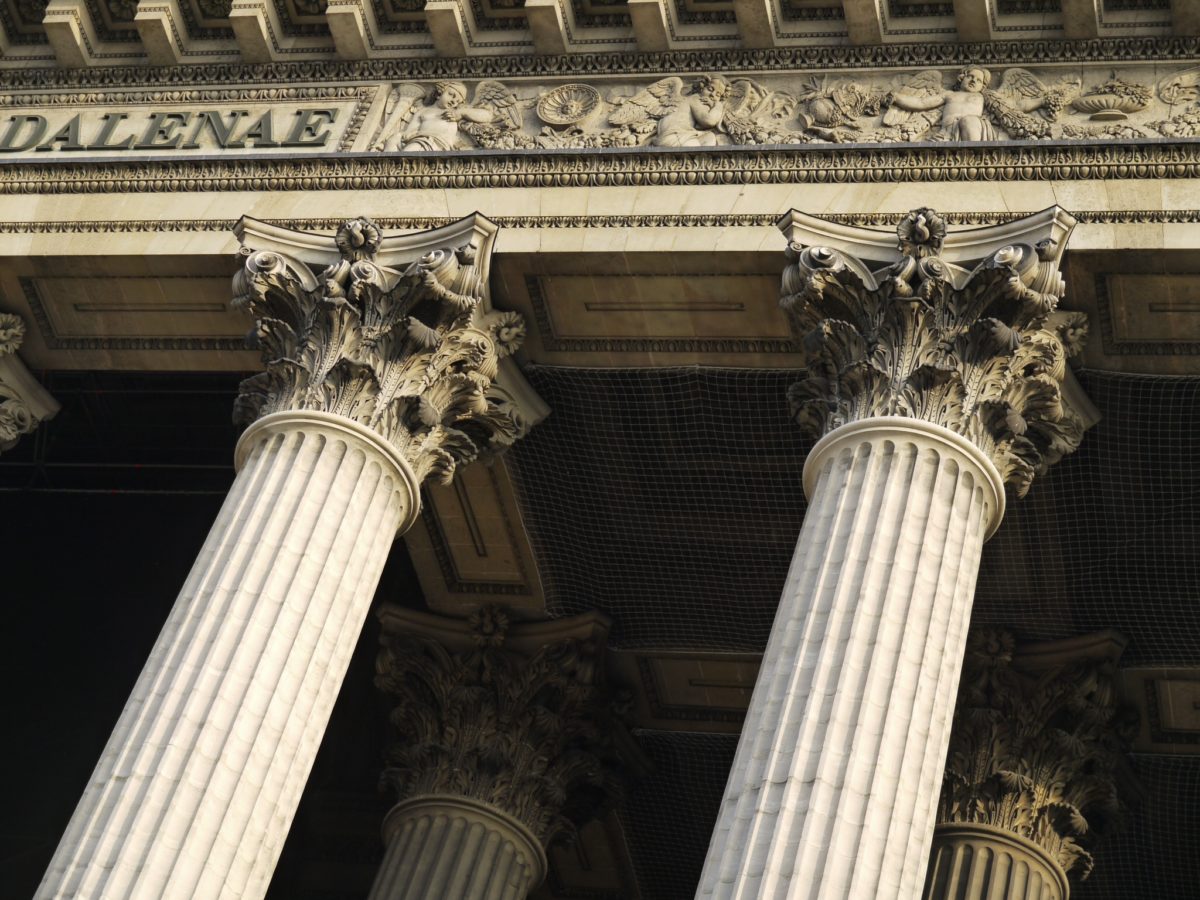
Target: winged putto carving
417, 119
921, 106
675, 117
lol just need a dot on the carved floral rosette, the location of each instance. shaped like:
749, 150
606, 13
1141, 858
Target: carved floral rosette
527, 732
411, 354
975, 351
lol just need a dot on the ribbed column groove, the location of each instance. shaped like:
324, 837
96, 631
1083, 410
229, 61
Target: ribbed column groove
979, 862
834, 782
198, 784
448, 848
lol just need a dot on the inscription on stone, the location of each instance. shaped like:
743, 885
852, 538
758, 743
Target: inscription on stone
158, 130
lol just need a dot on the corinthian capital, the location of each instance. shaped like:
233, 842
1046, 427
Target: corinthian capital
24, 404
1039, 742
961, 330
396, 334
514, 716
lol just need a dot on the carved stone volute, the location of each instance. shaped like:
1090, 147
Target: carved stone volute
967, 340
514, 716
24, 403
1039, 742
406, 346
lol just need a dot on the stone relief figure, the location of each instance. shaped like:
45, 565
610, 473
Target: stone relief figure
412, 121
971, 109
691, 119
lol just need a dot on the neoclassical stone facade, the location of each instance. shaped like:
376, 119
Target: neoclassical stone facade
730, 413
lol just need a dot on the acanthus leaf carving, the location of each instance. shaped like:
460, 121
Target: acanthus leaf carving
975, 351
529, 730
24, 403
411, 354
1038, 753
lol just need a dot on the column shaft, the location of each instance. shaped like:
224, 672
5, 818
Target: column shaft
446, 848
834, 785
197, 787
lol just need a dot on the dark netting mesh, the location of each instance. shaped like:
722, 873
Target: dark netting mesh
1110, 538
669, 815
1156, 855
671, 499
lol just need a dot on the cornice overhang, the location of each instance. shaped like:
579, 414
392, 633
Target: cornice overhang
815, 58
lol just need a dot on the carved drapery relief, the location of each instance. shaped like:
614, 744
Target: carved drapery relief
1039, 753
975, 346
975, 104
411, 353
524, 726
24, 404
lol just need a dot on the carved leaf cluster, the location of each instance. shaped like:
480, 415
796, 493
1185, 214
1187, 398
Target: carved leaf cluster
16, 418
1036, 757
980, 359
410, 354
523, 734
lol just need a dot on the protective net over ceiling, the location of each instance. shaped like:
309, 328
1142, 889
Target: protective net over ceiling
671, 499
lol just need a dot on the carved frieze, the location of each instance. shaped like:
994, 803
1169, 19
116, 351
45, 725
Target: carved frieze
24, 403
412, 353
974, 104
972, 344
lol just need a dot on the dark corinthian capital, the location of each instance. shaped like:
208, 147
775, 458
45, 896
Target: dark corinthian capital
512, 715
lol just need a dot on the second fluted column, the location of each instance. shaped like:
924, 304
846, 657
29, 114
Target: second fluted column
931, 382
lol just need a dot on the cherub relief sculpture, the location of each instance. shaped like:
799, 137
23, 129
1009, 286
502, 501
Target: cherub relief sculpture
691, 119
713, 110
439, 123
971, 109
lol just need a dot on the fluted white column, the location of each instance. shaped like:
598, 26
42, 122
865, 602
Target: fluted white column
455, 848
835, 782
196, 789
360, 402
